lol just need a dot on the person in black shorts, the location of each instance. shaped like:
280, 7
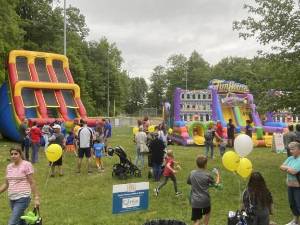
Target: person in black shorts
57, 138
200, 180
85, 138
230, 132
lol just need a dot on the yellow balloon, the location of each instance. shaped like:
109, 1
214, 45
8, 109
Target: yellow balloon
231, 160
135, 130
151, 128
53, 152
245, 168
170, 131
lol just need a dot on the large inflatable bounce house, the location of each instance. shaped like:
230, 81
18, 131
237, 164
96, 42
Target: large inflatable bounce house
194, 110
40, 87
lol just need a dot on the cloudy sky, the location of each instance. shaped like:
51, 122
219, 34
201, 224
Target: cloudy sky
149, 31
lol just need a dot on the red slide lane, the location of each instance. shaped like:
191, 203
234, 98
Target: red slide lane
81, 108
69, 75
62, 105
38, 93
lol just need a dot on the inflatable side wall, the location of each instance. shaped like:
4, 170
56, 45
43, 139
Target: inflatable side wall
39, 87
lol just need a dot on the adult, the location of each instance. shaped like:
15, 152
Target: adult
76, 128
99, 131
141, 141
297, 132
219, 131
292, 167
248, 128
146, 123
162, 133
35, 137
107, 132
20, 184
156, 148
230, 132
257, 200
85, 138
24, 132
57, 138
289, 137
46, 131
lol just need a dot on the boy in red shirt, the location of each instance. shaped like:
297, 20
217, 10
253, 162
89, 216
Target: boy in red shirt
169, 172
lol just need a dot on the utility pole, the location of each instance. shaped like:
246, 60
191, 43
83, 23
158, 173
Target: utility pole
185, 71
65, 29
108, 102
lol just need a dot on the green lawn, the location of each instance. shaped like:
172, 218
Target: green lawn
87, 199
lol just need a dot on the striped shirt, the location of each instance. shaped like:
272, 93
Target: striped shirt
18, 185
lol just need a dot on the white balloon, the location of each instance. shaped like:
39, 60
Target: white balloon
243, 145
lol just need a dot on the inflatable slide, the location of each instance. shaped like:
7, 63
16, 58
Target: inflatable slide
39, 87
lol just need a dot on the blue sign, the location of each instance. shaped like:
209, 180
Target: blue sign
130, 197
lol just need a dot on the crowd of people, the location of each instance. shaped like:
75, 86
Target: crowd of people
81, 140
223, 138
257, 198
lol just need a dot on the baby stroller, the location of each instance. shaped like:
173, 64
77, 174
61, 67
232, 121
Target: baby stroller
125, 168
238, 218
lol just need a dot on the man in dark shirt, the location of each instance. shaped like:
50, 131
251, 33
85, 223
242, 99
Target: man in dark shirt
157, 147
230, 132
249, 128
288, 138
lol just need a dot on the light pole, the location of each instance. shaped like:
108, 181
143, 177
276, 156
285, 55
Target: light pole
108, 102
65, 29
185, 71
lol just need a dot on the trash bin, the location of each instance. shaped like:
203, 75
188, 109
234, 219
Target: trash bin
164, 222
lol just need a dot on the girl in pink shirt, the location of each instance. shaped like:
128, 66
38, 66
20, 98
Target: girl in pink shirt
19, 183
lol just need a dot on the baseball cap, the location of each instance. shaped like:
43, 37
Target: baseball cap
56, 126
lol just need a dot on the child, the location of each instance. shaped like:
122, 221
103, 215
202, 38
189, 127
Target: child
209, 141
201, 180
222, 146
169, 172
98, 151
70, 143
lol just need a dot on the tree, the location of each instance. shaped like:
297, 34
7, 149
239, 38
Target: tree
176, 74
157, 88
277, 22
272, 22
137, 95
198, 72
11, 35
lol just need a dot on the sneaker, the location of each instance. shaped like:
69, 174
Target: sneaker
292, 223
178, 193
155, 191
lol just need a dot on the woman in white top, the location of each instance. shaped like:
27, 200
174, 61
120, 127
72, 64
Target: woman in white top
141, 141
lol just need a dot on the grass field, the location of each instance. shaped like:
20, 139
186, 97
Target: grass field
86, 199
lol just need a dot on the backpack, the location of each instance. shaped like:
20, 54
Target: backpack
208, 135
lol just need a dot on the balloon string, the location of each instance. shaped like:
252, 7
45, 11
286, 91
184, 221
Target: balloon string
240, 193
48, 175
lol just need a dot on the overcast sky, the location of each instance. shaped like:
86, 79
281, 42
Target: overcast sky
149, 31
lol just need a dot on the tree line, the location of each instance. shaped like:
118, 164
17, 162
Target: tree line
38, 25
